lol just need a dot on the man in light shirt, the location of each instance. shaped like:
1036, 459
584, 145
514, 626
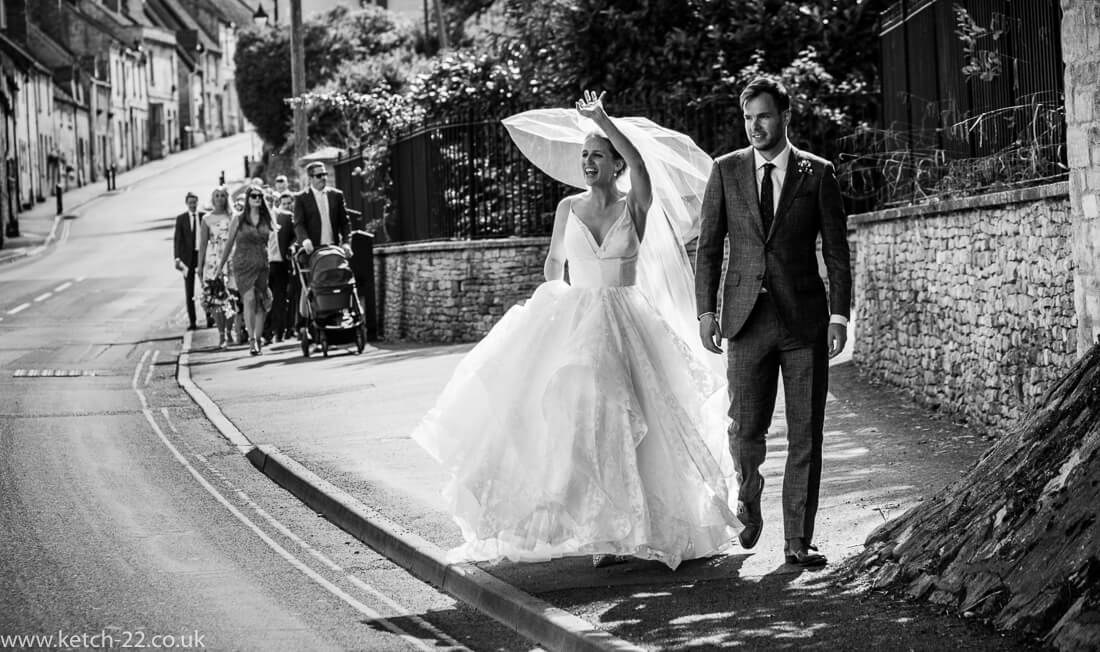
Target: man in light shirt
320, 214
279, 278
771, 202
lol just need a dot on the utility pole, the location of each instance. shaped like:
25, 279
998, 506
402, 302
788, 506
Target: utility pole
441, 24
298, 87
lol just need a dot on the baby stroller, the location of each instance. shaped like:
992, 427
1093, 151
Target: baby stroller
331, 311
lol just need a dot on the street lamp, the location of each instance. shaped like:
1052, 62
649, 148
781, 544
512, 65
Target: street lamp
259, 17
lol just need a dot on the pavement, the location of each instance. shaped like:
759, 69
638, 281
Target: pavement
42, 226
334, 432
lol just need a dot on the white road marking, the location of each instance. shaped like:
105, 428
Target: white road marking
285, 531
317, 554
271, 543
64, 286
152, 365
18, 309
43, 297
77, 280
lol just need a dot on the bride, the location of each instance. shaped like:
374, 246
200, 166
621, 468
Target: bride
576, 426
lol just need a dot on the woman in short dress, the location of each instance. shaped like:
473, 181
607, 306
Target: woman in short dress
249, 232
213, 234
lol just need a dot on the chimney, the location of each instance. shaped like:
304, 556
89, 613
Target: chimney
17, 20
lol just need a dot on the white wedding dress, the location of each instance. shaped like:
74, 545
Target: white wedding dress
575, 426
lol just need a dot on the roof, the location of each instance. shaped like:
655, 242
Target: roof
232, 11
48, 51
59, 93
174, 17
323, 154
22, 57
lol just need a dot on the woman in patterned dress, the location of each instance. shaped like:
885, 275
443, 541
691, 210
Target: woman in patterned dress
213, 234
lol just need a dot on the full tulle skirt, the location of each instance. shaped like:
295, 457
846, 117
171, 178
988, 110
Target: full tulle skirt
577, 426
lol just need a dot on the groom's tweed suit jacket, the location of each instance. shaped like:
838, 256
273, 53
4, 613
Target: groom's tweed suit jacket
784, 261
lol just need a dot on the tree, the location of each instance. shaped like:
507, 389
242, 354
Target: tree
346, 49
677, 56
1015, 539
263, 79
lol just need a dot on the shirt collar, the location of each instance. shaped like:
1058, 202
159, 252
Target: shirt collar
316, 192
780, 161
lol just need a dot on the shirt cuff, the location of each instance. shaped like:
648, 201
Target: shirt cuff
838, 319
709, 312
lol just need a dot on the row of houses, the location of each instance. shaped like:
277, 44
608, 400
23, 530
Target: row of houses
94, 87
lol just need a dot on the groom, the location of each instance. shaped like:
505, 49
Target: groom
771, 201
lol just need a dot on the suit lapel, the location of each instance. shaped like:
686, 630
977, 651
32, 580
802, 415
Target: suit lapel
745, 174
792, 181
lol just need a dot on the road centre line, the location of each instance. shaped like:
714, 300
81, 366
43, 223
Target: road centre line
43, 297
271, 543
18, 309
64, 286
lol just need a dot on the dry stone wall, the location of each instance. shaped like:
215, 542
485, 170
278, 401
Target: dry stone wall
443, 292
969, 304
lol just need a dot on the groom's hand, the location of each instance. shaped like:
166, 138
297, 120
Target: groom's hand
710, 333
838, 337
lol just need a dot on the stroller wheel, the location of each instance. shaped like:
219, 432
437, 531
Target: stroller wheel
324, 344
303, 336
360, 338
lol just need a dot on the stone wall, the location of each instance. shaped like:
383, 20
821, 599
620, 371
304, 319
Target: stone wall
1081, 53
968, 304
453, 291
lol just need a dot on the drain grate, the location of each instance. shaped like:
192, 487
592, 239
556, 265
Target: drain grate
52, 373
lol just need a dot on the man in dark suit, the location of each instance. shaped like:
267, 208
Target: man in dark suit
772, 201
320, 214
278, 256
185, 244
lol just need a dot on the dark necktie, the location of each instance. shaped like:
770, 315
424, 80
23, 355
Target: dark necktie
767, 203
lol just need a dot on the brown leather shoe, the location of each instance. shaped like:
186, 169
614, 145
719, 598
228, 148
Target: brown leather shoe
748, 512
804, 555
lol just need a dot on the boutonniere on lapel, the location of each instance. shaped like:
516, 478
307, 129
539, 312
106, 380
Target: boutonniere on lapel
804, 167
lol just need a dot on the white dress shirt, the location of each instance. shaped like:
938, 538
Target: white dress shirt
779, 174
321, 198
273, 253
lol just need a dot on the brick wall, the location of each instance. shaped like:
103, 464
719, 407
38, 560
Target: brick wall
1081, 53
968, 304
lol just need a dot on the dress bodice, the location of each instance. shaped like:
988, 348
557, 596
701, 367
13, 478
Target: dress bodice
252, 235
611, 263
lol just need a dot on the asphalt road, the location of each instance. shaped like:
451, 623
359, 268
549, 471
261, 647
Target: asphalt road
123, 514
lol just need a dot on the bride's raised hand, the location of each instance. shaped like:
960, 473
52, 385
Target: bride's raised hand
591, 106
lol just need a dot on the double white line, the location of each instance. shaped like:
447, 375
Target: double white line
402, 612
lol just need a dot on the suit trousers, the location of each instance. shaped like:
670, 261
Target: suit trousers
189, 287
756, 356
279, 282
